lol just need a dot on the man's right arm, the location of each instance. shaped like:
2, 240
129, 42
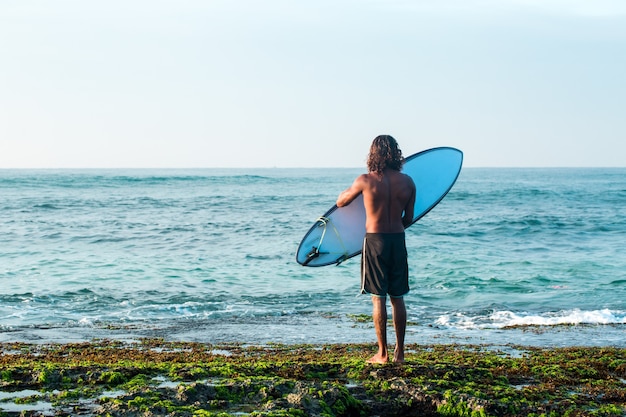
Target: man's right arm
351, 193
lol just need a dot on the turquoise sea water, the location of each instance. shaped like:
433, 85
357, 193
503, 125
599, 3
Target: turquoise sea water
529, 256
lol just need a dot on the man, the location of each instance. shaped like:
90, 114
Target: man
389, 199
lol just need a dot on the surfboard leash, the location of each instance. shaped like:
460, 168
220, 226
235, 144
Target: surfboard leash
344, 255
315, 252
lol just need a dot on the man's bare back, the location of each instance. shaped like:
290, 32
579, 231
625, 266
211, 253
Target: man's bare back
388, 198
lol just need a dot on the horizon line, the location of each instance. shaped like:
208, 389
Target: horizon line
295, 167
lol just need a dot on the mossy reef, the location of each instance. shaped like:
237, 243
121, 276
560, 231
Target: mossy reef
160, 378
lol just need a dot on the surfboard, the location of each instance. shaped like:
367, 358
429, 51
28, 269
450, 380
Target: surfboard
338, 234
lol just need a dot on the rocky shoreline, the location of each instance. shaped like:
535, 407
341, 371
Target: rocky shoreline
153, 377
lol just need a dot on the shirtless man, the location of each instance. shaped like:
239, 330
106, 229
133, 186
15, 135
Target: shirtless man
389, 198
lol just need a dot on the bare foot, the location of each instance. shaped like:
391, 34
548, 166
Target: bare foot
398, 357
377, 359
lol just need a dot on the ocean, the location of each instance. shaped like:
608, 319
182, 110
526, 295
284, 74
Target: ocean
510, 256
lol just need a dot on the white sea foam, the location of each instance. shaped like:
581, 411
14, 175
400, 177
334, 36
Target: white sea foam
85, 321
504, 319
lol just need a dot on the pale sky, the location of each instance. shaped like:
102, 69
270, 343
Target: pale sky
294, 83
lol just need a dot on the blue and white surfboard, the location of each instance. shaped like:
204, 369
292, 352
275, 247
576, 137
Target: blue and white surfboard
338, 234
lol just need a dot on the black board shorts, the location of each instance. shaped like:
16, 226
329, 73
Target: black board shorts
384, 266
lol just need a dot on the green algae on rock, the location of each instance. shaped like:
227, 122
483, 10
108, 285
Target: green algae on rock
156, 377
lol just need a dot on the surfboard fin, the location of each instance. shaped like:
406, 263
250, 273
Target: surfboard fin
314, 253
341, 259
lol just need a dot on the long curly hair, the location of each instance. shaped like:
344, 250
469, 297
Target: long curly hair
384, 153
